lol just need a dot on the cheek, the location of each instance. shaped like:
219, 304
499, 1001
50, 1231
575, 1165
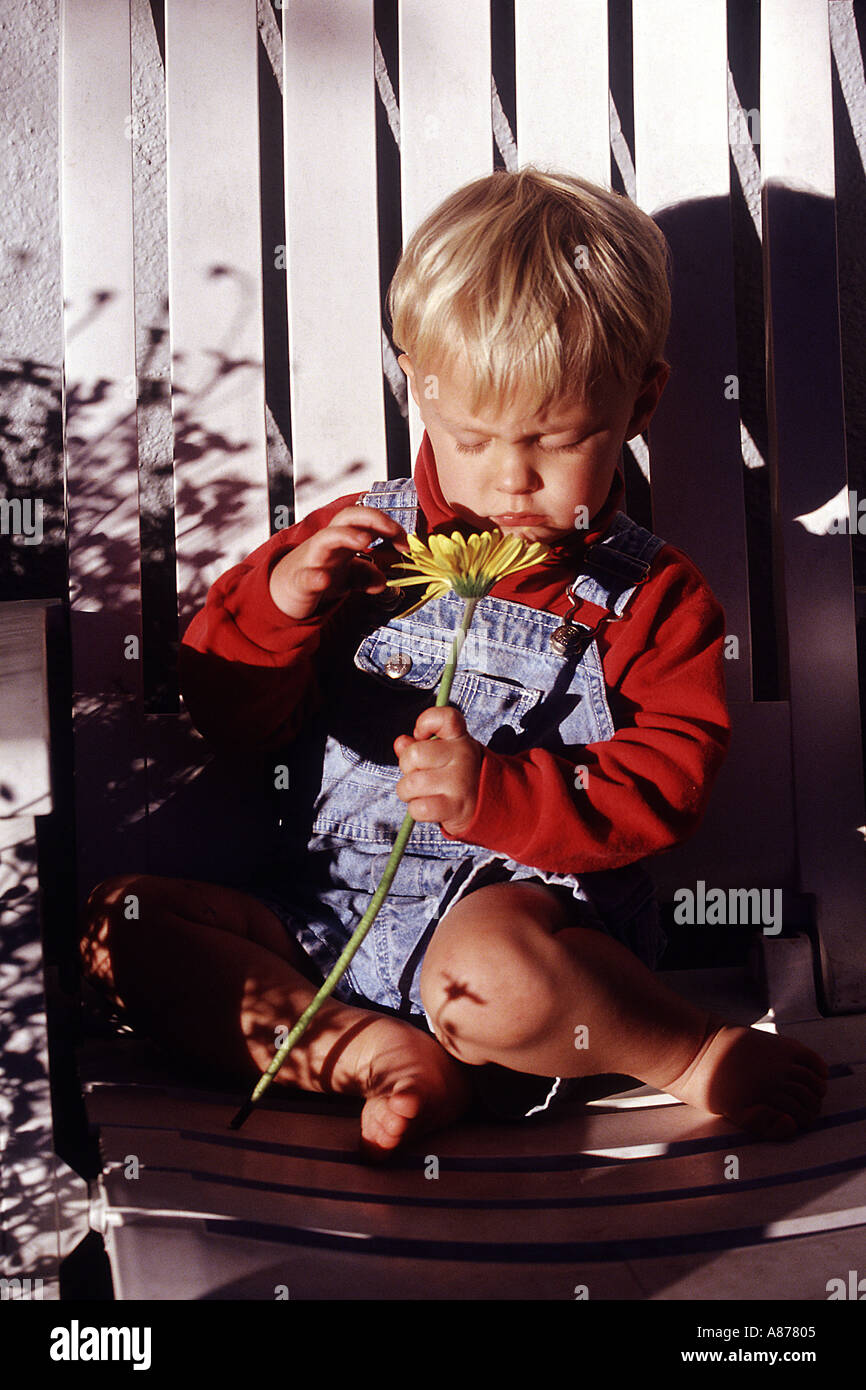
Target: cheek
599, 492
592, 495
602, 477
455, 476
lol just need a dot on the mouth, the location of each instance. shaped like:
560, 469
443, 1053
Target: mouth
518, 519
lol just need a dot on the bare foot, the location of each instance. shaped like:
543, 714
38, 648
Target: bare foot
770, 1086
411, 1083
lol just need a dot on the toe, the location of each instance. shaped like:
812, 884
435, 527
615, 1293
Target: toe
394, 1122
812, 1062
765, 1122
781, 1126
405, 1102
378, 1128
374, 1153
386, 1120
805, 1095
807, 1076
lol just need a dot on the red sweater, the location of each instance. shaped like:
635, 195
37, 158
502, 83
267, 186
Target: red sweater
249, 678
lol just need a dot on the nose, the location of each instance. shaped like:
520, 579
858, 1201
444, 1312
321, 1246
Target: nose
516, 475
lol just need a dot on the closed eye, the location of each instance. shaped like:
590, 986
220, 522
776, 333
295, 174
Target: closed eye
477, 448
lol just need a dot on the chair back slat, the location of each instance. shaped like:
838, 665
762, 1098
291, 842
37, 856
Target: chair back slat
446, 137
335, 317
215, 290
25, 771
100, 439
681, 168
807, 456
99, 346
562, 86
680, 102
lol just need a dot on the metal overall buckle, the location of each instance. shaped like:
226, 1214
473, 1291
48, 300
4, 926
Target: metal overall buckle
572, 638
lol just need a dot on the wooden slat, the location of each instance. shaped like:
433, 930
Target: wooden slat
110, 792
183, 1259
28, 1233
574, 1139
682, 179
100, 437
807, 456
215, 289
837, 1039
99, 345
563, 104
25, 770
335, 324
446, 135
736, 1213
836, 1149
796, 1270
43, 1204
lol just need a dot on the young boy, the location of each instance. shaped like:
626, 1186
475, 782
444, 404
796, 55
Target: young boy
586, 723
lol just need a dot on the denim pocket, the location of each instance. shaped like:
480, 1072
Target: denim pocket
397, 673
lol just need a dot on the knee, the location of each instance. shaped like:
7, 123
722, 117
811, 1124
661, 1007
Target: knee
490, 990
111, 904
112, 898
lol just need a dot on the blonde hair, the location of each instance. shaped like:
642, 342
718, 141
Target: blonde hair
543, 281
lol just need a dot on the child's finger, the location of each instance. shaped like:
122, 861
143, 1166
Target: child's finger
416, 754
312, 581
376, 524
363, 574
354, 573
422, 754
336, 542
440, 721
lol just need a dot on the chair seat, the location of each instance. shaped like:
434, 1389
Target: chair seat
632, 1195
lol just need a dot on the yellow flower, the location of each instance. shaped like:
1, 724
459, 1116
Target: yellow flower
468, 565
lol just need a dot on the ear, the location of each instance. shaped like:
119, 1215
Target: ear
654, 382
405, 361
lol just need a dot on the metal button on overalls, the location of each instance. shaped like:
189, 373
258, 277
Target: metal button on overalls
398, 665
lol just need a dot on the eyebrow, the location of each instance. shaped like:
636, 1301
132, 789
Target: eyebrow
532, 434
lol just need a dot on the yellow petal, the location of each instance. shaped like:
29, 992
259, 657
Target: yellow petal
470, 565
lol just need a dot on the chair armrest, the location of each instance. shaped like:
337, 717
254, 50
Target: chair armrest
25, 745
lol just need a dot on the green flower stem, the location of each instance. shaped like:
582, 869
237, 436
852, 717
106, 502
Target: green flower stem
376, 901
456, 645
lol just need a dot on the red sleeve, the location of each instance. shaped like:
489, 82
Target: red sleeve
247, 671
648, 786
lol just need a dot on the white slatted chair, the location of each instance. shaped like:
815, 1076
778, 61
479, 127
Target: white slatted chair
284, 1203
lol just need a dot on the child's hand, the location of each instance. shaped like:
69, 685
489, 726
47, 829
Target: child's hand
440, 781
326, 567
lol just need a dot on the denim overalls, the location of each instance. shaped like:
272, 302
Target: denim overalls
516, 691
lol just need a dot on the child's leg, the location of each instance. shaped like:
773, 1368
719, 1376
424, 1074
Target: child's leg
507, 980
210, 973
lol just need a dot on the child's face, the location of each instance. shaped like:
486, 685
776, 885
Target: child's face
529, 474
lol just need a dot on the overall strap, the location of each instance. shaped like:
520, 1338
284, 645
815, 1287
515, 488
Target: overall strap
396, 496
614, 566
